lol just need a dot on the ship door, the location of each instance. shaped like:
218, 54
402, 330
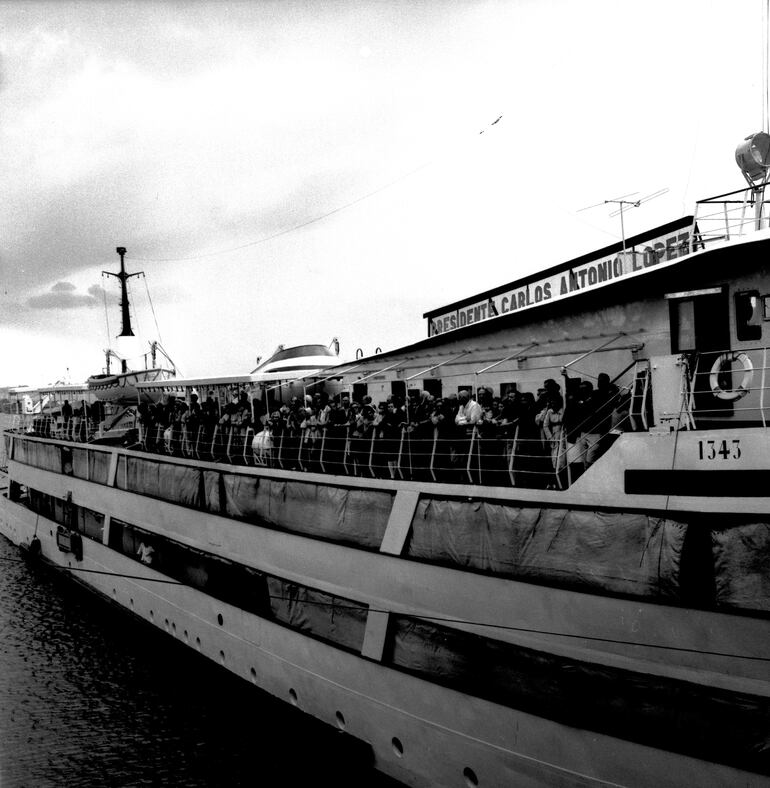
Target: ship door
700, 329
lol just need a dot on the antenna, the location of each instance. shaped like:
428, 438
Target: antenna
124, 305
622, 201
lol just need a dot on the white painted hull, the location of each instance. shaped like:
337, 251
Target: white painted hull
442, 732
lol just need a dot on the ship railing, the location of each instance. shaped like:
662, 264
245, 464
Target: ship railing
725, 384
728, 216
76, 429
492, 453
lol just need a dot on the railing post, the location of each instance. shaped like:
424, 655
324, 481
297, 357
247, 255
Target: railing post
247, 445
229, 444
345, 454
371, 452
561, 441
198, 441
400, 452
512, 458
470, 455
302, 435
323, 445
279, 456
727, 222
214, 442
762, 386
433, 453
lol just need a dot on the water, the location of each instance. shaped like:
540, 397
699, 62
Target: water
91, 697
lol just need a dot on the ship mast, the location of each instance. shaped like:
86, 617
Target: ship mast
124, 304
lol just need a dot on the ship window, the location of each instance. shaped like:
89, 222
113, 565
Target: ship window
766, 307
432, 386
748, 318
398, 388
682, 325
15, 491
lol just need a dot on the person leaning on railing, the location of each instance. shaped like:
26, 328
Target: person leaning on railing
492, 443
468, 415
528, 463
421, 436
336, 434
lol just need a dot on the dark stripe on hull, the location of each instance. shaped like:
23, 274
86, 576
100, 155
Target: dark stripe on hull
709, 484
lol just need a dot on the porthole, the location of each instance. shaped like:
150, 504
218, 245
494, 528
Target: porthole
131, 601
340, 721
220, 619
186, 637
173, 628
293, 696
152, 616
166, 625
222, 657
253, 675
114, 594
470, 777
398, 748
198, 643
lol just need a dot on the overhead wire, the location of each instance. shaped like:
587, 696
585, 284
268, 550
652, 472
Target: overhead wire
298, 226
106, 313
149, 298
424, 616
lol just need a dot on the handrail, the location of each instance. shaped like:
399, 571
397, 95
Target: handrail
435, 366
565, 367
380, 371
507, 358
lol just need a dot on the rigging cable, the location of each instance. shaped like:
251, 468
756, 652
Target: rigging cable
281, 232
149, 298
296, 226
420, 616
106, 313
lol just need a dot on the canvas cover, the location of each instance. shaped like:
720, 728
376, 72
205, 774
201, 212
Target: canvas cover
332, 618
624, 553
99, 466
343, 515
80, 463
742, 566
171, 482
40, 455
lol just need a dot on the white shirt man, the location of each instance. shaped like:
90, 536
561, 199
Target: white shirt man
469, 411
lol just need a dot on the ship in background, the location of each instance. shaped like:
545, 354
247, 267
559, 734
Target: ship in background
480, 605
121, 387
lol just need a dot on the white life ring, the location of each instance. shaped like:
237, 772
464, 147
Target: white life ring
748, 375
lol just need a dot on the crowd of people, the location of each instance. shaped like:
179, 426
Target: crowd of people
523, 438
78, 423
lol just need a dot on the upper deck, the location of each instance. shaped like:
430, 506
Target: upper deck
677, 323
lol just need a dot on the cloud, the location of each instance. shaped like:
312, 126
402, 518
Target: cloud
63, 295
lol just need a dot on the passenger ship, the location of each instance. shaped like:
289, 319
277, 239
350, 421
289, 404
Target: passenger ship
541, 625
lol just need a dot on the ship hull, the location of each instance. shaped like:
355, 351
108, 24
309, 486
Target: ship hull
420, 732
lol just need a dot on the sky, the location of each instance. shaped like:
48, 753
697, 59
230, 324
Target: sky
290, 172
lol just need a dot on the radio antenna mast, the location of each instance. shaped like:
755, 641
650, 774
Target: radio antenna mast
623, 201
124, 304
